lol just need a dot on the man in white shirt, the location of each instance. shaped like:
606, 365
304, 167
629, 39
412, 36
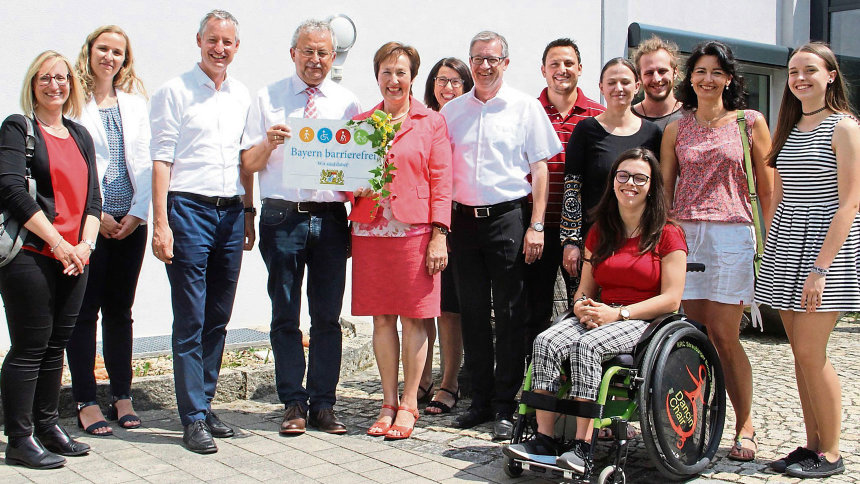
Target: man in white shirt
301, 228
199, 225
500, 136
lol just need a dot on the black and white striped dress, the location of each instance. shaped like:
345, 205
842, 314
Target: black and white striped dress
807, 166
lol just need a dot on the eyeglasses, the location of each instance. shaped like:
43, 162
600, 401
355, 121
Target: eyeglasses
443, 81
46, 79
477, 60
639, 179
322, 54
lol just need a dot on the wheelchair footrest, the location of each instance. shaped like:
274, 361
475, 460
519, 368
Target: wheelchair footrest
558, 405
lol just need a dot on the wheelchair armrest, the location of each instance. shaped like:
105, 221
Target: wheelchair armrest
560, 405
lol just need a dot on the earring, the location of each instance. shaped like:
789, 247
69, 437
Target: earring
727, 87
830, 81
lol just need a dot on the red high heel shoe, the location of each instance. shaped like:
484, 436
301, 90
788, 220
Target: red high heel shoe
380, 428
404, 432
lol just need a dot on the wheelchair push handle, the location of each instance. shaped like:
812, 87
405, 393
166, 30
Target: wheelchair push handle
695, 267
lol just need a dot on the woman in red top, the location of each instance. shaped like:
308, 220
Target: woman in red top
635, 258
43, 286
399, 247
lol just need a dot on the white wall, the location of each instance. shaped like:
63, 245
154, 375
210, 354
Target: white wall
162, 37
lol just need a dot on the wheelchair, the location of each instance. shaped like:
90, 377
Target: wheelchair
672, 383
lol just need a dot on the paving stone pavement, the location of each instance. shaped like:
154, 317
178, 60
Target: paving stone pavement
437, 452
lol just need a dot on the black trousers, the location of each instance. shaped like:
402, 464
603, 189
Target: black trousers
540, 277
114, 270
488, 259
42, 306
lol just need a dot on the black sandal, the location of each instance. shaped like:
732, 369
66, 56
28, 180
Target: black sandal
442, 406
428, 393
95, 426
125, 419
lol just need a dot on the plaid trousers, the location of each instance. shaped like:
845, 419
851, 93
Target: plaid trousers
586, 349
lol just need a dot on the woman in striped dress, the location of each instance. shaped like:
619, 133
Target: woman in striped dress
811, 266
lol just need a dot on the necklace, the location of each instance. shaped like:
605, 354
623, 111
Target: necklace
822, 108
645, 111
48, 125
712, 120
401, 116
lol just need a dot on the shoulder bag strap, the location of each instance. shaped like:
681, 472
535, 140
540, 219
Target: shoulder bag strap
29, 152
759, 242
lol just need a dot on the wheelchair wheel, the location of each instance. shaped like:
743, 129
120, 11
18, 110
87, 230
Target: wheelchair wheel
682, 401
512, 468
611, 475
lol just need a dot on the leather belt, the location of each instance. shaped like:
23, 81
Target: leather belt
488, 210
303, 207
217, 201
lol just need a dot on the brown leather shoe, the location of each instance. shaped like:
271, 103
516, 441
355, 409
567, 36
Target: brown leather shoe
294, 421
326, 421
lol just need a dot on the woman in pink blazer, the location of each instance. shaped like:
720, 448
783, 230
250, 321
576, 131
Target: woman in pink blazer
399, 247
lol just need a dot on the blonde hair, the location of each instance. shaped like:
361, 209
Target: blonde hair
125, 80
73, 106
655, 44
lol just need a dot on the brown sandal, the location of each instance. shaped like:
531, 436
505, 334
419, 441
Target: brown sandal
736, 453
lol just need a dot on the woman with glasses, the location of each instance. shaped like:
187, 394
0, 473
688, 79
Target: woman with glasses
633, 271
594, 145
811, 266
117, 118
42, 287
703, 153
399, 240
449, 78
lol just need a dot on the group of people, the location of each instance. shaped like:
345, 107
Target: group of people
494, 191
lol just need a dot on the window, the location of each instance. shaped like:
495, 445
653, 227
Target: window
835, 22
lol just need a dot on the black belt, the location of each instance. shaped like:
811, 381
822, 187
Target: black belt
488, 210
217, 201
304, 207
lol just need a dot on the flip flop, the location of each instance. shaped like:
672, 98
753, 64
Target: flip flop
736, 453
442, 406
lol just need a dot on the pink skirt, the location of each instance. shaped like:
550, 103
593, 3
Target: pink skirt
389, 276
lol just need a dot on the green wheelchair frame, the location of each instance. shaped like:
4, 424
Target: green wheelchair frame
630, 389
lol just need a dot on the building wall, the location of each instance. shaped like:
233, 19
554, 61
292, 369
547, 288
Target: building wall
162, 34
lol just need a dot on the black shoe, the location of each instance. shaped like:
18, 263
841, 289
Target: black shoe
474, 416
197, 438
576, 459
29, 452
218, 428
817, 466
542, 449
503, 428
797, 455
58, 441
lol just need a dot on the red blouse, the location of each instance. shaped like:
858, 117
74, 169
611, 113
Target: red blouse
627, 277
69, 180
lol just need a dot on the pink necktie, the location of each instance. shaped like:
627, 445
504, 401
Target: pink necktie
310, 107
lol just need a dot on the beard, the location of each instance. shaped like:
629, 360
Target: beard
659, 97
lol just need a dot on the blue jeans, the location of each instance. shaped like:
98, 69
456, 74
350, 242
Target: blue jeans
289, 241
207, 255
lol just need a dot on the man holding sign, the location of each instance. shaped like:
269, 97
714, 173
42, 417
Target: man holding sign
302, 227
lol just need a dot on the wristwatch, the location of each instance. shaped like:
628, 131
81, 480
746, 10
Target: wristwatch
624, 312
442, 229
90, 243
537, 226
251, 210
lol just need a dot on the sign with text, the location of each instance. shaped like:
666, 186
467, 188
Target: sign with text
326, 155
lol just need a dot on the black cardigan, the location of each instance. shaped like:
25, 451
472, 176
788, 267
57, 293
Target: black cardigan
13, 192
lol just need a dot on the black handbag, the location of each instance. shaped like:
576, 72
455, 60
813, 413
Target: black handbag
12, 231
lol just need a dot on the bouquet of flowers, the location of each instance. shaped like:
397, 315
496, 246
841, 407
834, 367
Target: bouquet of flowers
380, 132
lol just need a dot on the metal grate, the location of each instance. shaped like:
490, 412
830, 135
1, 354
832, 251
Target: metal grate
160, 345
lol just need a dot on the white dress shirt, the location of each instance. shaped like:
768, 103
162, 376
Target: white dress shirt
135, 137
494, 144
287, 99
198, 129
